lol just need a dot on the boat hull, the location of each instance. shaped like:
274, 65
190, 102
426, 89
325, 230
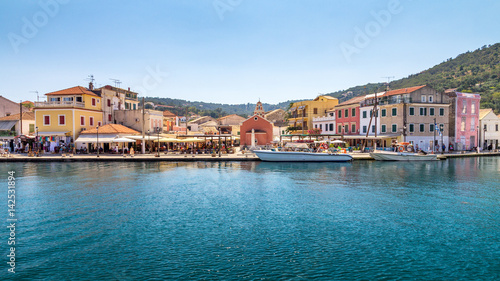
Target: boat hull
401, 156
292, 156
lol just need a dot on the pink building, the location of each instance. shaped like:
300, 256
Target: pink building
466, 115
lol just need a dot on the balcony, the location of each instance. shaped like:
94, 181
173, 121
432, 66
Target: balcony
60, 104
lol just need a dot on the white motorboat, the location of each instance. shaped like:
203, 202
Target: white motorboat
300, 152
403, 152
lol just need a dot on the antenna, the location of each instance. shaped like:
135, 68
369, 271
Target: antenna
37, 99
117, 82
90, 78
388, 80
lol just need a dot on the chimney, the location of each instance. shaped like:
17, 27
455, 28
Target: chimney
129, 89
91, 86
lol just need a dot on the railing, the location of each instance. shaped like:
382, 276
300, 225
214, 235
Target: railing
59, 104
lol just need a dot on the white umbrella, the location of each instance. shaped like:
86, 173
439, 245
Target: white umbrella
123, 139
338, 141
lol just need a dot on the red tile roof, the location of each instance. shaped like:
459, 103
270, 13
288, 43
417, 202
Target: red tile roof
403, 91
112, 129
353, 101
26, 116
78, 90
167, 113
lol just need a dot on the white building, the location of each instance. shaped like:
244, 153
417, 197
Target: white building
489, 133
325, 123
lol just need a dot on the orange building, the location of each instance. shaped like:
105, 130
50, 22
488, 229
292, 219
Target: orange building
262, 130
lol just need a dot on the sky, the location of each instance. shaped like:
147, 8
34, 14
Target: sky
232, 51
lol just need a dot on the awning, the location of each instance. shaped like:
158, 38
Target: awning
92, 138
7, 125
52, 133
372, 137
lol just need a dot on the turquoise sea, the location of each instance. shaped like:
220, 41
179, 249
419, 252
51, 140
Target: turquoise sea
255, 221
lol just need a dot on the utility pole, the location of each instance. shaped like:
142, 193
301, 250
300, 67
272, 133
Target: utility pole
21, 116
434, 143
143, 148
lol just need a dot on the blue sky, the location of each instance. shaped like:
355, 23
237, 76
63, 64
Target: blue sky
232, 51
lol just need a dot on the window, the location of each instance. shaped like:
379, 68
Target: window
68, 99
62, 120
364, 114
441, 112
326, 127
321, 126
93, 101
431, 127
340, 114
353, 128
79, 99
430, 98
109, 117
315, 125
340, 129
394, 128
55, 99
46, 120
462, 124
373, 128
423, 111
496, 127
412, 128
82, 120
423, 98
431, 111
109, 102
32, 128
135, 106
346, 113
331, 127
91, 121
384, 112
473, 108
364, 129
422, 128
99, 123
353, 112
383, 128
412, 111
464, 107
472, 124
315, 111
394, 111
346, 129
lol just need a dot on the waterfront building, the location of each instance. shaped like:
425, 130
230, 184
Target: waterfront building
107, 133
8, 107
257, 128
153, 119
113, 99
464, 119
418, 115
195, 124
489, 134
169, 121
369, 124
302, 113
65, 114
14, 125
325, 124
347, 116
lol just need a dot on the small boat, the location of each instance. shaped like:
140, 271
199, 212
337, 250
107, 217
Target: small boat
300, 152
404, 151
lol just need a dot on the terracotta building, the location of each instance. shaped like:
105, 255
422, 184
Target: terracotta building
261, 128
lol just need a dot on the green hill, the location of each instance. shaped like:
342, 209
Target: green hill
474, 72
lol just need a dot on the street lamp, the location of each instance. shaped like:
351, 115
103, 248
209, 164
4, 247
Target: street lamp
97, 128
37, 142
158, 131
441, 130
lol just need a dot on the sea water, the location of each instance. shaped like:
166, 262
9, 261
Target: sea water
437, 220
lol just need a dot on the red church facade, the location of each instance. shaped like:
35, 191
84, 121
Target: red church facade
263, 131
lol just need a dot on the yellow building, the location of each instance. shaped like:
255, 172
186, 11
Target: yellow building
301, 113
66, 113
